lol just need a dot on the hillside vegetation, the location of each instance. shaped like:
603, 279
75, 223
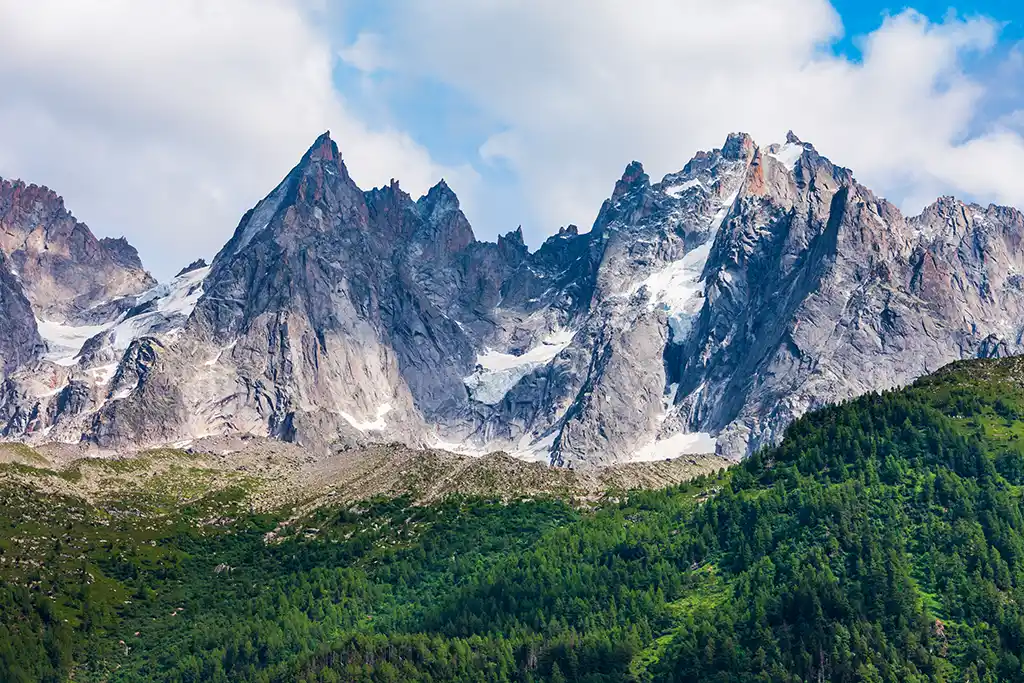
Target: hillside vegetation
883, 540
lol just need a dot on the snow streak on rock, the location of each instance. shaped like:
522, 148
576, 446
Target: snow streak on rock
496, 372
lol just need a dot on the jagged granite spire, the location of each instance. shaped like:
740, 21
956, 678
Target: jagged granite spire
632, 179
322, 149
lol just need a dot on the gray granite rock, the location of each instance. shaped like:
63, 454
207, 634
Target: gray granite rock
64, 269
706, 310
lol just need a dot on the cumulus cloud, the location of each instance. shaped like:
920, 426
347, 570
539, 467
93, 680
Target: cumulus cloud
580, 87
165, 121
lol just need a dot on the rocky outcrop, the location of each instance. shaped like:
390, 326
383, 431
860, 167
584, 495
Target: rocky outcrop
198, 264
154, 414
122, 253
20, 343
64, 269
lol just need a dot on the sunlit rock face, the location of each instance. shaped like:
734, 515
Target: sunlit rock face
68, 275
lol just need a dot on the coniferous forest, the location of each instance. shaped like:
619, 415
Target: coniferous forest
883, 540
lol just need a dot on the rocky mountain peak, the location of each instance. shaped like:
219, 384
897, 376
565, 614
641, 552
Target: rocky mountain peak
738, 146
392, 192
318, 187
66, 271
323, 149
438, 200
632, 178
513, 238
122, 252
320, 177
946, 205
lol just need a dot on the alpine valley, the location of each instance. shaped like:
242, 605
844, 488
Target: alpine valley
701, 313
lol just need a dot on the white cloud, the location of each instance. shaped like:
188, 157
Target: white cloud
165, 121
583, 86
365, 53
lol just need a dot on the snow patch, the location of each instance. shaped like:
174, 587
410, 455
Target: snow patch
527, 448
171, 303
675, 446
548, 348
102, 374
535, 451
678, 190
721, 215
458, 447
377, 425
64, 342
677, 289
496, 372
788, 154
123, 393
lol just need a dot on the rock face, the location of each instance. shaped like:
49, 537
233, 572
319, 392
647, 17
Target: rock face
20, 343
705, 311
65, 270
195, 265
817, 291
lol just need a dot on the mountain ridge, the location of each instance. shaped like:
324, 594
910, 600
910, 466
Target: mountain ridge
703, 311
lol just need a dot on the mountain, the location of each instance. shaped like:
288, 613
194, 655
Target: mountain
59, 284
69, 276
702, 312
882, 540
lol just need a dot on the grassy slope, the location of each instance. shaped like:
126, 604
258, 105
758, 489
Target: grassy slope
656, 586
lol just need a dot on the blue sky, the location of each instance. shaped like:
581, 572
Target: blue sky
863, 16
448, 122
453, 128
164, 122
